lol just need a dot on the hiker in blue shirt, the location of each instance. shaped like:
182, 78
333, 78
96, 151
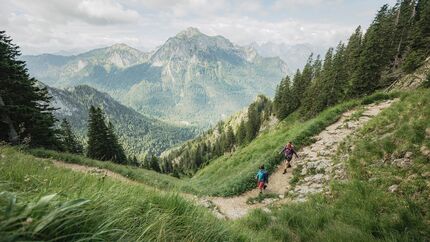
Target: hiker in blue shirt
262, 178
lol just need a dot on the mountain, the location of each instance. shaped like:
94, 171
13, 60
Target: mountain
192, 78
294, 55
137, 133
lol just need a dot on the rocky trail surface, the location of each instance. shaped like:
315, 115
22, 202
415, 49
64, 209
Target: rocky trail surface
314, 169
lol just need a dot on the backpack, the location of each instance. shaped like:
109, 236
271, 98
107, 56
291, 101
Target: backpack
262, 176
289, 152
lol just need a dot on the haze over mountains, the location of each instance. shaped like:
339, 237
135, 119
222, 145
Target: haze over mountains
191, 79
294, 55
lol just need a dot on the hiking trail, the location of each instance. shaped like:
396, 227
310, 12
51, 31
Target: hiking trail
315, 166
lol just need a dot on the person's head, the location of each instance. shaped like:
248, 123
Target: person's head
290, 144
261, 167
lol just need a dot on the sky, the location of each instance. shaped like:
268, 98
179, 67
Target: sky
71, 26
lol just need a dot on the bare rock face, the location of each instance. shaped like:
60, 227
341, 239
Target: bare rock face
413, 80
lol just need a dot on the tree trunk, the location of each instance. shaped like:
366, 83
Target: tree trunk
13, 136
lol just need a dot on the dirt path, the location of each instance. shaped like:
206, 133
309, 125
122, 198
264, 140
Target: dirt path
315, 163
316, 169
93, 170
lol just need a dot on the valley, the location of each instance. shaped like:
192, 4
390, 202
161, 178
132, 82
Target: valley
186, 141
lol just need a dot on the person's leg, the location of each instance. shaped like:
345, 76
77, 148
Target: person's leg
285, 166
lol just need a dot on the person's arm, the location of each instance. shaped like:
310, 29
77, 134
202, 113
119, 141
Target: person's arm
295, 153
283, 150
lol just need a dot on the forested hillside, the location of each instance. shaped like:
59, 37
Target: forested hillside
395, 45
239, 130
139, 135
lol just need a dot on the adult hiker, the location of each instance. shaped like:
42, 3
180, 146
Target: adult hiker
262, 178
288, 153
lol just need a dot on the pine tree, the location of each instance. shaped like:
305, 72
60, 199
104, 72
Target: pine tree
97, 135
374, 55
24, 102
241, 133
253, 124
117, 153
419, 38
352, 56
301, 82
284, 103
230, 138
102, 141
338, 80
68, 139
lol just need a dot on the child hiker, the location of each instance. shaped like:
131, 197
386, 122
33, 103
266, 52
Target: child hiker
262, 178
288, 153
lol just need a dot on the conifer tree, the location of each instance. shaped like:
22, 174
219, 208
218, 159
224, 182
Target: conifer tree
374, 55
241, 133
230, 138
352, 56
97, 135
253, 124
117, 151
338, 80
69, 141
284, 101
301, 82
419, 38
102, 141
24, 102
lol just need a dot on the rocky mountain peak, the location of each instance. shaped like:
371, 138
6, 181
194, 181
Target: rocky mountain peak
189, 32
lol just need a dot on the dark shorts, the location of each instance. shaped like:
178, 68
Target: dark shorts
288, 158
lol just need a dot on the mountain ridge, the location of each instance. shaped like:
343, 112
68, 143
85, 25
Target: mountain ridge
192, 78
140, 135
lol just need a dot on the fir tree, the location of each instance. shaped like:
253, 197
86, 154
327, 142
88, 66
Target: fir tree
24, 103
253, 124
374, 55
68, 139
102, 141
241, 133
419, 37
117, 151
230, 138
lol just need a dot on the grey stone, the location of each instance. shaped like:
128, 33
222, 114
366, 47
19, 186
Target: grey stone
393, 188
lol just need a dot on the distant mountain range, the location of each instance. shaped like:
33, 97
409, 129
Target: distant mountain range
138, 134
294, 55
191, 79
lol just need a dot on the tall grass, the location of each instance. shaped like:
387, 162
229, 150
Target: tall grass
39, 201
232, 174
145, 176
363, 209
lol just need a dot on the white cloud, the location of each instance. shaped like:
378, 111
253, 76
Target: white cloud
100, 12
53, 25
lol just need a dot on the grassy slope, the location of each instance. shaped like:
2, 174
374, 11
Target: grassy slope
234, 174
363, 209
87, 207
230, 174
145, 176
